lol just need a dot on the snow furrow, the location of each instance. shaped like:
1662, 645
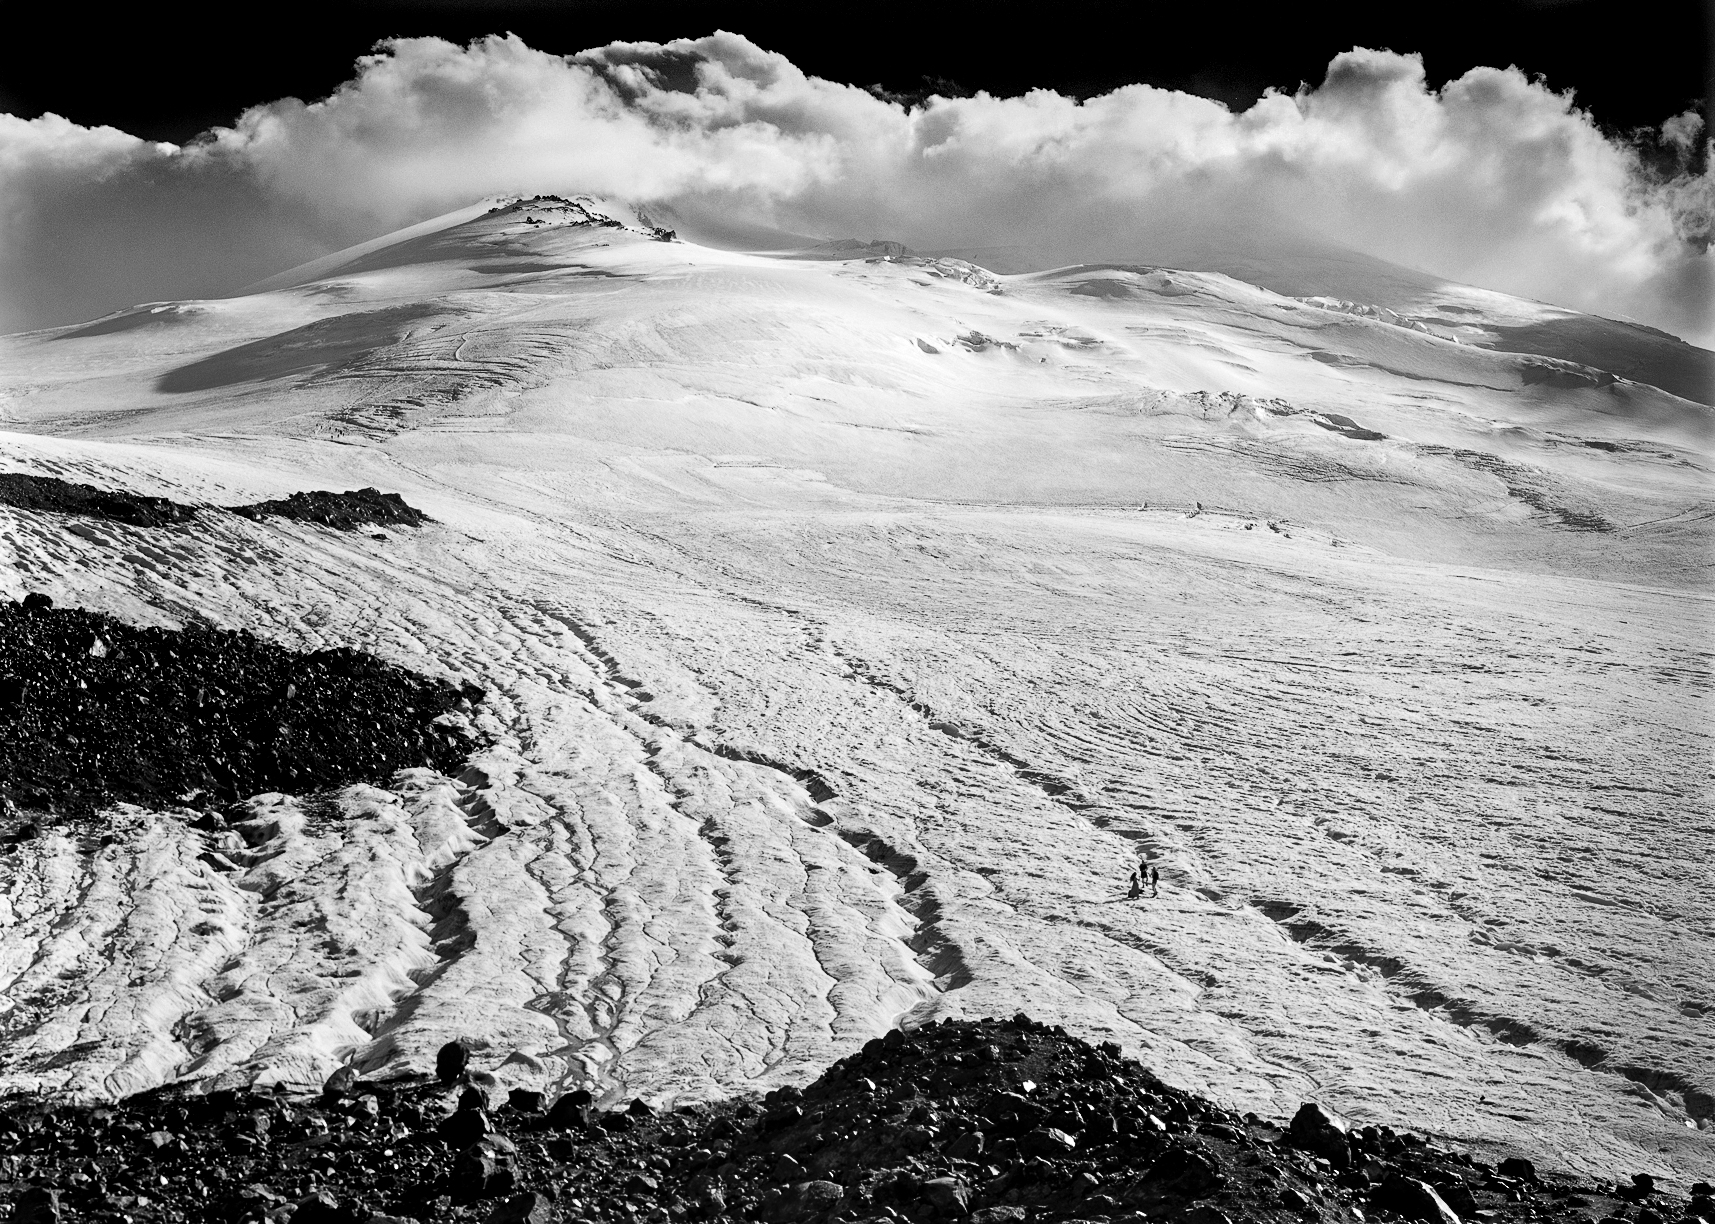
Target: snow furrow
117, 970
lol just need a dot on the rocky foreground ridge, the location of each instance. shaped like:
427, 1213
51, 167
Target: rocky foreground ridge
994, 1121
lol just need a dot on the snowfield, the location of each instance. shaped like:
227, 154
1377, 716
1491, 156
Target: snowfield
850, 627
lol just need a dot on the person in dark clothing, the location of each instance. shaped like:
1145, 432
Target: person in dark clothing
1154, 880
1136, 882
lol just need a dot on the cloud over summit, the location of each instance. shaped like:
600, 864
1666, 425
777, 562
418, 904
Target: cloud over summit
1494, 179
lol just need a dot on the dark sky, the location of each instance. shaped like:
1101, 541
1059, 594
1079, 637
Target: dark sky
165, 72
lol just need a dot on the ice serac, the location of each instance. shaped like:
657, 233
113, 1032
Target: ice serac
851, 627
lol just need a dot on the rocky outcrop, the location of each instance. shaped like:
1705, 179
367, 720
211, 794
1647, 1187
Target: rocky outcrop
344, 511
50, 493
97, 711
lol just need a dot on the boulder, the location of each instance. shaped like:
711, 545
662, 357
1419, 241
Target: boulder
340, 1083
1184, 1170
1318, 1129
1069, 1120
323, 1208
968, 1146
487, 1169
255, 1197
531, 1208
38, 1204
571, 1111
1049, 1143
1458, 1196
1517, 1167
947, 1195
466, 1127
1413, 1199
712, 1200
810, 1198
917, 1138
451, 1061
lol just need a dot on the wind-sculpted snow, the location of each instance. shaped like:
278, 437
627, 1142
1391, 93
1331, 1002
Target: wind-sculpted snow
849, 629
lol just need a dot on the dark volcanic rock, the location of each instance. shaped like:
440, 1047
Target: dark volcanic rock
1048, 1141
486, 1169
1413, 1199
531, 1208
834, 1151
465, 1128
324, 1208
1517, 1167
948, 1195
1320, 1130
1186, 1170
86, 501
451, 1060
99, 711
38, 1205
345, 511
808, 1199
571, 1111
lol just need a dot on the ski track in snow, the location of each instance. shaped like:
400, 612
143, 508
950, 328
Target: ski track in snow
789, 750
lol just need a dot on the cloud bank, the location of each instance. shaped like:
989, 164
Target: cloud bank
1493, 180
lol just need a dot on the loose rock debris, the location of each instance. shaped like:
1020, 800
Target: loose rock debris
996, 1121
50, 493
343, 511
93, 710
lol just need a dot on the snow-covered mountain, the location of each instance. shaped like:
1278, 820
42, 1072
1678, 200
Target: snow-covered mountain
851, 625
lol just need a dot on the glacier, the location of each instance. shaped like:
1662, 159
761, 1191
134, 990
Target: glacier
851, 627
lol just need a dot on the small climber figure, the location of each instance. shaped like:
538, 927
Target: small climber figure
1136, 882
1154, 880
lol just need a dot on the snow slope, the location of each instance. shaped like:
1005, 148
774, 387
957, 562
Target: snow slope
850, 627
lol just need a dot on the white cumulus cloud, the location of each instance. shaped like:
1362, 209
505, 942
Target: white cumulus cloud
1493, 179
